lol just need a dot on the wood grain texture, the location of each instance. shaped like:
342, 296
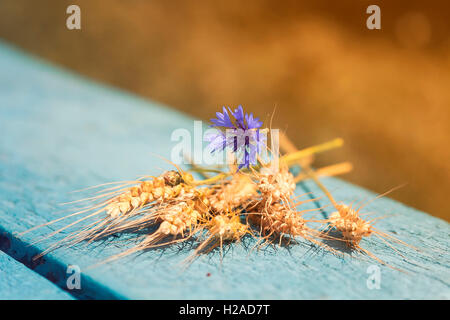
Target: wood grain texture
62, 133
17, 282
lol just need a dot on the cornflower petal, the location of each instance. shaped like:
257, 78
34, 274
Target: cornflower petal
238, 114
223, 119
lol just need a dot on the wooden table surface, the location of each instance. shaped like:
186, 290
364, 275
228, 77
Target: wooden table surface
61, 132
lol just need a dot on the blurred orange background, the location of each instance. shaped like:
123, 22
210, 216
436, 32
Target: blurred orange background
386, 92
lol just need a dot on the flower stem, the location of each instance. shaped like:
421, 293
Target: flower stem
306, 167
297, 155
212, 180
328, 171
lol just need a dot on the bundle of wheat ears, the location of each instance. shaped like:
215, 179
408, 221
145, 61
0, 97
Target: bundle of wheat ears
250, 200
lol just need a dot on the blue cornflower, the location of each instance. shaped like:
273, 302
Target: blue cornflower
242, 135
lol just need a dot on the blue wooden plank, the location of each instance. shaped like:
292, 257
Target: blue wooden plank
17, 282
65, 133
